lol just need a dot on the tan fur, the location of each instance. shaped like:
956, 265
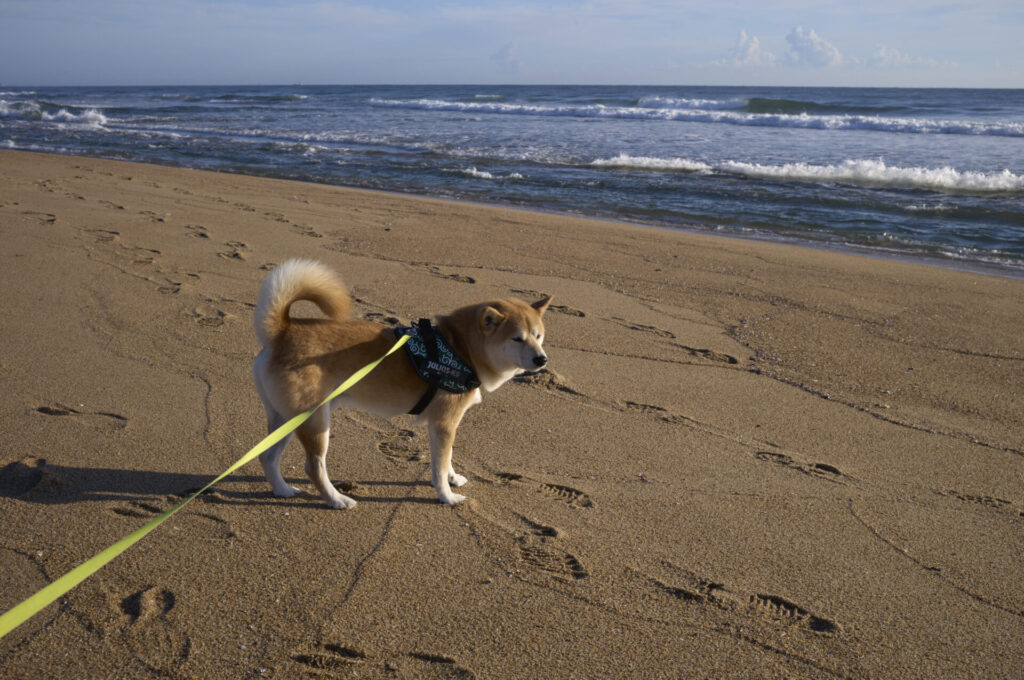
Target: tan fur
303, 360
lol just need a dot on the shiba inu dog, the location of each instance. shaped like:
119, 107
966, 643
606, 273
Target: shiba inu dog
303, 360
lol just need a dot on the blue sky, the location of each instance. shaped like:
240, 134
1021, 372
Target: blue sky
910, 43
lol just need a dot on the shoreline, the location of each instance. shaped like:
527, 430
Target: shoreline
822, 244
744, 459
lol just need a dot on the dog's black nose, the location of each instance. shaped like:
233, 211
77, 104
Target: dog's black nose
540, 361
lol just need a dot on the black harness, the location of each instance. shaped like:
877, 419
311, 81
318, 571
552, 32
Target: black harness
436, 363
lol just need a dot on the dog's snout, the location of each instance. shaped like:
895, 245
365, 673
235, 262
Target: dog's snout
539, 361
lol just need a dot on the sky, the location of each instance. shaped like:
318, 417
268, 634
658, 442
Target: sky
901, 43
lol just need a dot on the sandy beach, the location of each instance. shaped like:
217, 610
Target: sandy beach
746, 459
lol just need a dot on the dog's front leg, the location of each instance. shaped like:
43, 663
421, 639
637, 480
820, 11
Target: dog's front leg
441, 437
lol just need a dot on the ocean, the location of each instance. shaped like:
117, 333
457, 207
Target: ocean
929, 174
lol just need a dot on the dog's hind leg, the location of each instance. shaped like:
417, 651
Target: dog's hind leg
315, 436
271, 459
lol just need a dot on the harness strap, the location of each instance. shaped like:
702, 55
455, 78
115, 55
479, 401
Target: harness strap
426, 332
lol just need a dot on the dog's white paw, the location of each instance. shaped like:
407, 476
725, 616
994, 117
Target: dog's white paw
285, 491
341, 502
455, 479
451, 498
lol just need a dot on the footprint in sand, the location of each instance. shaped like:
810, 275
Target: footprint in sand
237, 251
344, 661
568, 311
540, 528
44, 218
567, 494
104, 419
206, 315
654, 330
154, 217
403, 447
820, 470
147, 604
694, 589
548, 379
709, 354
552, 561
303, 230
659, 412
381, 318
991, 502
573, 497
196, 231
28, 474
151, 630
203, 525
104, 235
138, 509
436, 271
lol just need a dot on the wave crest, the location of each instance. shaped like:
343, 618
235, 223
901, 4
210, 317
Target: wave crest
851, 171
705, 111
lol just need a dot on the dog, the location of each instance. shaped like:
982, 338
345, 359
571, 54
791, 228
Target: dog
303, 360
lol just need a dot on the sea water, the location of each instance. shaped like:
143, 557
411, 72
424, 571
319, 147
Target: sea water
922, 173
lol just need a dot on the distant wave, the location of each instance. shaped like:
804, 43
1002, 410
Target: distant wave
52, 113
483, 174
258, 99
865, 172
760, 105
704, 111
686, 103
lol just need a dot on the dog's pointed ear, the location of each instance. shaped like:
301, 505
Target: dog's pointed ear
541, 305
490, 319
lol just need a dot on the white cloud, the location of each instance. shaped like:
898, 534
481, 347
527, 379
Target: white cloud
747, 52
807, 48
890, 57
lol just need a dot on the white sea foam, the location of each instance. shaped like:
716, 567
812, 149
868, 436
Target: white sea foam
16, 109
730, 117
866, 172
483, 174
649, 163
89, 117
34, 110
682, 103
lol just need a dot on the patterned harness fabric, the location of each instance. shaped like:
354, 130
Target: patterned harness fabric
436, 363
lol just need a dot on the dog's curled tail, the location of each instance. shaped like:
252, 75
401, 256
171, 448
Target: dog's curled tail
296, 280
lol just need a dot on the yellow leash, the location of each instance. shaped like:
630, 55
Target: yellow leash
32, 605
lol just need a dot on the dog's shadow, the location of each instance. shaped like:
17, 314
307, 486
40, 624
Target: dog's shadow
34, 480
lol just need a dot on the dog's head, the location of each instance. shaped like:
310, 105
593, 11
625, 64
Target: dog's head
514, 334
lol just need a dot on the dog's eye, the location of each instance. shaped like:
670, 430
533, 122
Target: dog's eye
518, 339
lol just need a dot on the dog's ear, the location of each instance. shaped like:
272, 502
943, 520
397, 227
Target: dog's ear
541, 305
490, 319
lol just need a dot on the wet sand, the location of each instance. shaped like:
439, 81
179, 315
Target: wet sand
746, 460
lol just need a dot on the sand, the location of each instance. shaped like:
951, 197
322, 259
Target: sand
746, 460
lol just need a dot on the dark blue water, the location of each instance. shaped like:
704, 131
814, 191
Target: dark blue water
936, 173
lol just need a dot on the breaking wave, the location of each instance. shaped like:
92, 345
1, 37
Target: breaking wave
720, 111
864, 172
48, 112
